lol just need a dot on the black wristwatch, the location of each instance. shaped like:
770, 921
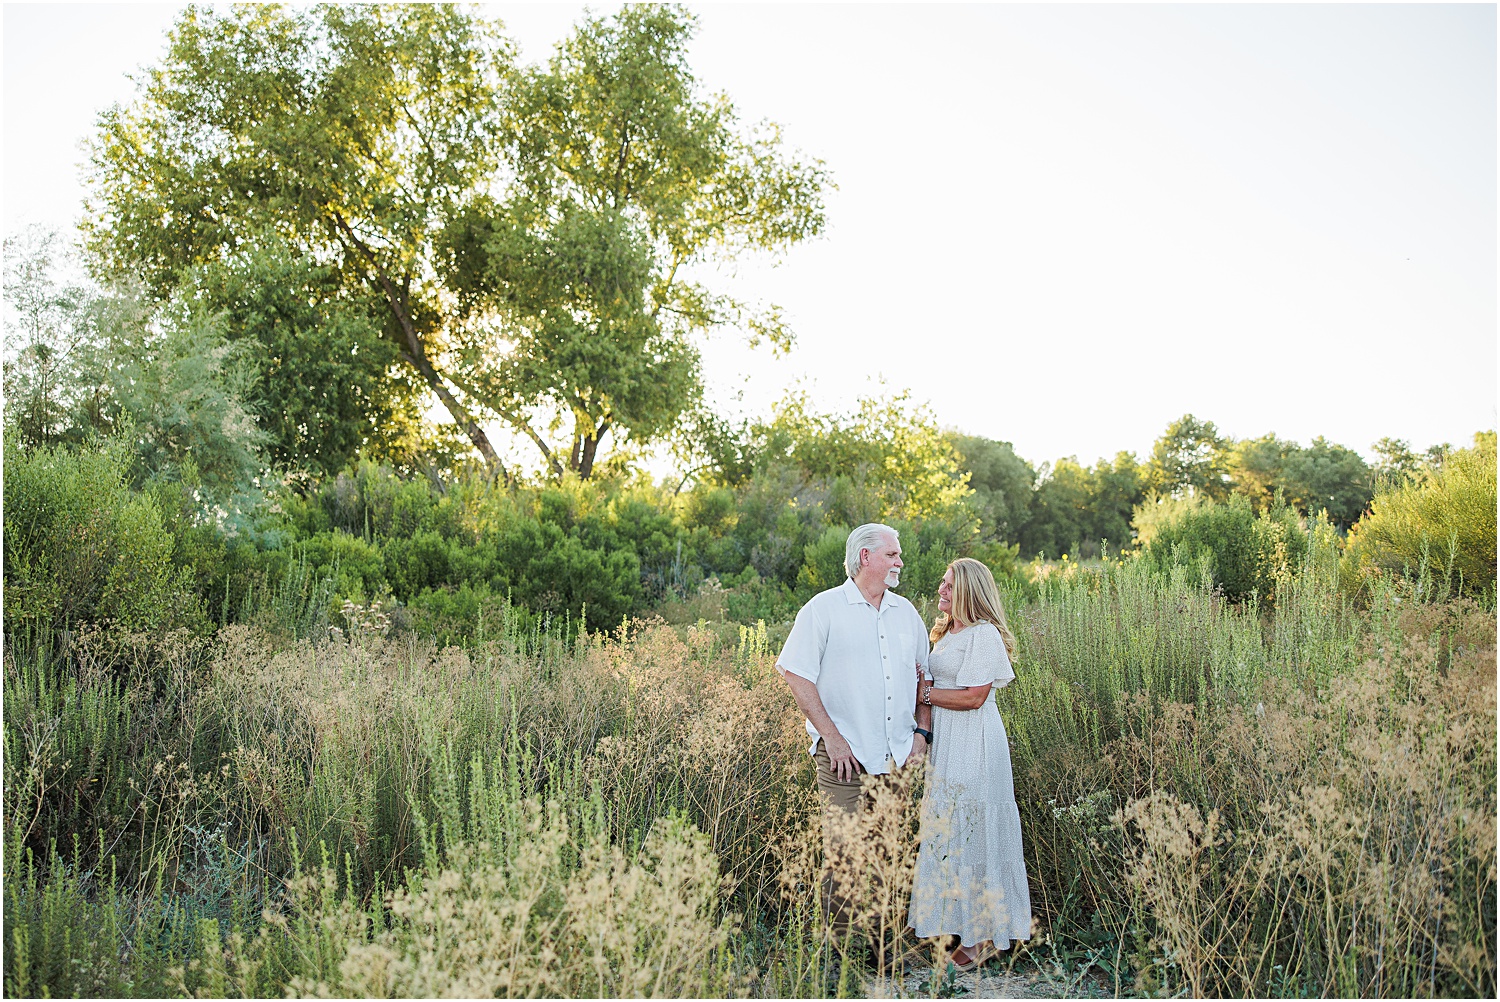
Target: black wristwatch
924, 732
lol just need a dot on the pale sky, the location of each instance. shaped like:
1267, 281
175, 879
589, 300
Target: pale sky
1063, 226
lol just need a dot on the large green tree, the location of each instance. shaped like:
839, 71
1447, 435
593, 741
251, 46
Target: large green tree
887, 459
330, 380
1002, 483
626, 179
1191, 457
87, 364
1321, 477
1061, 517
1118, 486
47, 338
1077, 509
1328, 477
515, 235
354, 133
1257, 466
1395, 462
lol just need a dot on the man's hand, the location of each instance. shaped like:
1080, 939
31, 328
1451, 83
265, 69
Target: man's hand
841, 757
918, 749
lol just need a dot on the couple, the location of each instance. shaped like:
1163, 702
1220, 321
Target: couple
877, 698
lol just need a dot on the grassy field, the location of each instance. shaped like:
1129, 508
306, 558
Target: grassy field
1216, 799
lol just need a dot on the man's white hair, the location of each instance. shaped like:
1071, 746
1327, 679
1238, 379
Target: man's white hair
866, 537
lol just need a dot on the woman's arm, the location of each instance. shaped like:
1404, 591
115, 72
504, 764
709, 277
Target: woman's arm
969, 698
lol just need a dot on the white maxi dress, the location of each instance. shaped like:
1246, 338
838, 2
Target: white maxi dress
970, 878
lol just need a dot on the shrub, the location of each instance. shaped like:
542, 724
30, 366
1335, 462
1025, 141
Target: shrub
354, 564
552, 572
823, 562
80, 546
1246, 553
1443, 523
1355, 856
467, 613
418, 562
534, 910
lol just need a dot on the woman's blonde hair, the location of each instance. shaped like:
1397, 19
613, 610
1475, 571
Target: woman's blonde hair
976, 599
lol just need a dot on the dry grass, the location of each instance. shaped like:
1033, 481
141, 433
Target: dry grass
502, 923
1215, 800
1356, 855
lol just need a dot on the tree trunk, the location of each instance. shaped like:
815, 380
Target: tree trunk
587, 447
459, 413
416, 353
586, 457
522, 425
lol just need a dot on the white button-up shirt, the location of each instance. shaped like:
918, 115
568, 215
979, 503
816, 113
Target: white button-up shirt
864, 662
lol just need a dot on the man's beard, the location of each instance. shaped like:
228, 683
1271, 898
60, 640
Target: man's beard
893, 577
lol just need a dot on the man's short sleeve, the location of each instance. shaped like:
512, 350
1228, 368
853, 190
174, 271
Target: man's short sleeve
802, 654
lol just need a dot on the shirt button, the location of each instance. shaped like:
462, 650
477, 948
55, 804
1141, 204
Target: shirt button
887, 718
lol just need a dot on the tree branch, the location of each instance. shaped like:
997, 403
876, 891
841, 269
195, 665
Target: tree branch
417, 356
671, 277
518, 422
524, 426
620, 193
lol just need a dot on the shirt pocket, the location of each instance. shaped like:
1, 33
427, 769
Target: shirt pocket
904, 651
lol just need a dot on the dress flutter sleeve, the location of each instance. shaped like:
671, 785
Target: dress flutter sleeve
986, 662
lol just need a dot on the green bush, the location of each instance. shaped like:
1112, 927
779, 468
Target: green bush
615, 547
421, 561
1246, 553
355, 565
927, 548
463, 615
823, 563
1440, 524
81, 546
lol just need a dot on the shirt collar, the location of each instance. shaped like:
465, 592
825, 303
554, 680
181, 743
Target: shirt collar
854, 596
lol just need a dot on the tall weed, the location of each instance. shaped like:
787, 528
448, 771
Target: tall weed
1217, 799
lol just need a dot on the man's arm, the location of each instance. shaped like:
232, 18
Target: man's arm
924, 722
919, 743
840, 755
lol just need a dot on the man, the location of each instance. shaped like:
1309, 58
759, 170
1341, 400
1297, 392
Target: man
852, 661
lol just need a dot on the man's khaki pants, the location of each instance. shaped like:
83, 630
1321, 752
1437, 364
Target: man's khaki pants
848, 841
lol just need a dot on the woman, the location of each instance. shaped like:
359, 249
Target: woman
970, 878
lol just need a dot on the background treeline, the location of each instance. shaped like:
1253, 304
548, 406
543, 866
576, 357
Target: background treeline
314, 229
142, 488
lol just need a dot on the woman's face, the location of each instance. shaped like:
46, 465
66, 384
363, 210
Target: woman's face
945, 593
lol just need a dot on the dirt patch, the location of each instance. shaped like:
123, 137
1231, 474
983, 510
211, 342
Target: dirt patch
986, 983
